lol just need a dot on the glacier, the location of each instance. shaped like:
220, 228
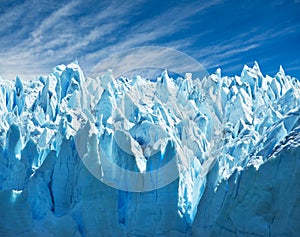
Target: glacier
106, 156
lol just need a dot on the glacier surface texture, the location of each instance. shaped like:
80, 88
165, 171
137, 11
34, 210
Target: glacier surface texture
86, 157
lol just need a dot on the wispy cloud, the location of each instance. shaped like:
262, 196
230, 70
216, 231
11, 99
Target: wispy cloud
66, 34
37, 35
148, 59
59, 37
228, 51
149, 31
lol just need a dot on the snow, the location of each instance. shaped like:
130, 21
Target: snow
195, 156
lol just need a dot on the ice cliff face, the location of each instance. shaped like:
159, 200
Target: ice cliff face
133, 157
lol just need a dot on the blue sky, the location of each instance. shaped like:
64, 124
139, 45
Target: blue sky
36, 35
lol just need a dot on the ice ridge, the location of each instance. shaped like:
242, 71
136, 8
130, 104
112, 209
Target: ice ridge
216, 124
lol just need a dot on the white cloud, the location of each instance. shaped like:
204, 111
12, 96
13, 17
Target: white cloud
150, 58
149, 31
228, 51
66, 35
58, 39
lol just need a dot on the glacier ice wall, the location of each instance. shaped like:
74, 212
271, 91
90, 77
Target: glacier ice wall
68, 144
